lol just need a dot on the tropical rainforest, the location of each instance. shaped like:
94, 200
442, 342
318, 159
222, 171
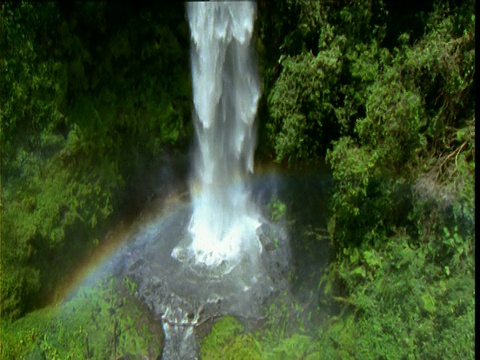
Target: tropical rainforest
380, 94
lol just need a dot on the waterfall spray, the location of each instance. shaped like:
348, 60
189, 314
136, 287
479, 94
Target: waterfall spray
226, 91
215, 255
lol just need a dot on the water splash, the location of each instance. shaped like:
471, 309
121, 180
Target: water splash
226, 91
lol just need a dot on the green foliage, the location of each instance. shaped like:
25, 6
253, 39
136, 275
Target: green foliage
227, 341
98, 322
404, 303
83, 106
390, 104
278, 210
308, 84
403, 125
301, 103
296, 347
401, 147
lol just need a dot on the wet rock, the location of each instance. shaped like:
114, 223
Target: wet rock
187, 300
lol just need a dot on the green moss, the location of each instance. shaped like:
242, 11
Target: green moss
224, 330
227, 341
295, 347
243, 346
98, 322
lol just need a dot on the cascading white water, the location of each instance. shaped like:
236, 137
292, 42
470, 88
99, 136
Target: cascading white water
226, 91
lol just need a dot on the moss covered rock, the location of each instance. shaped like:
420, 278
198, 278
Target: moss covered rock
103, 321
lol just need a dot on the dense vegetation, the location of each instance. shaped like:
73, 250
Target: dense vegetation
386, 94
99, 321
90, 94
382, 94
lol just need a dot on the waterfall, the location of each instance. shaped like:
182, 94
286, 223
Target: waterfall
226, 90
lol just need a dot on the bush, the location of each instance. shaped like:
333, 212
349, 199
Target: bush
83, 105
